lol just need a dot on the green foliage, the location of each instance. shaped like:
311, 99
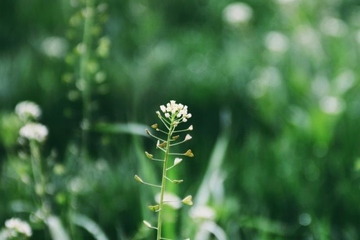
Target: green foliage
274, 93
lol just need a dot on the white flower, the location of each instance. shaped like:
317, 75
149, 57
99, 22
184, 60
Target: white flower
187, 137
176, 111
202, 212
54, 47
276, 42
34, 131
19, 226
333, 27
237, 13
170, 199
27, 110
331, 105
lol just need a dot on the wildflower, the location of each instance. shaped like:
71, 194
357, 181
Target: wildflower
331, 105
16, 226
170, 199
174, 111
333, 27
34, 131
54, 47
202, 212
237, 13
276, 42
27, 110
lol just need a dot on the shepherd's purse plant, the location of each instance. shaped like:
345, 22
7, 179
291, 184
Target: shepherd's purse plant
172, 116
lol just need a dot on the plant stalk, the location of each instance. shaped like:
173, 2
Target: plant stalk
163, 182
84, 74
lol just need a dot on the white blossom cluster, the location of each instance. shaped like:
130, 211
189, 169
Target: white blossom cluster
27, 110
34, 131
237, 13
15, 228
174, 110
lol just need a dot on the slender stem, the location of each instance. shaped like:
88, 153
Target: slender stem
84, 73
39, 182
163, 182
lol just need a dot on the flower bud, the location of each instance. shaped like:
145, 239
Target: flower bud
137, 178
187, 200
148, 155
177, 161
175, 137
154, 208
189, 153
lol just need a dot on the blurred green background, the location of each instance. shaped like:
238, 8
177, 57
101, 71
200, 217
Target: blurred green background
273, 88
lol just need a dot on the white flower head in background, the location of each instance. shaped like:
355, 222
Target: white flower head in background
27, 110
202, 212
333, 27
170, 199
16, 227
237, 13
34, 131
276, 42
54, 47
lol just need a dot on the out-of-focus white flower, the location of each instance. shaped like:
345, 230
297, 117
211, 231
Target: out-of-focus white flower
333, 27
331, 105
170, 199
17, 226
202, 212
54, 47
27, 110
34, 131
276, 42
176, 111
237, 13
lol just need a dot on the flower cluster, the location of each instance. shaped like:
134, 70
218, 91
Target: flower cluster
173, 111
34, 131
27, 110
15, 228
237, 13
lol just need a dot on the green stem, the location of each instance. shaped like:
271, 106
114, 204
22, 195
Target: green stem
163, 182
84, 73
39, 182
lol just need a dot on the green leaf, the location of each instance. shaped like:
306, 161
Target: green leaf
57, 230
89, 225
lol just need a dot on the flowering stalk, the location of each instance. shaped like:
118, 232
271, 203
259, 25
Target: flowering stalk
84, 73
172, 115
35, 134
